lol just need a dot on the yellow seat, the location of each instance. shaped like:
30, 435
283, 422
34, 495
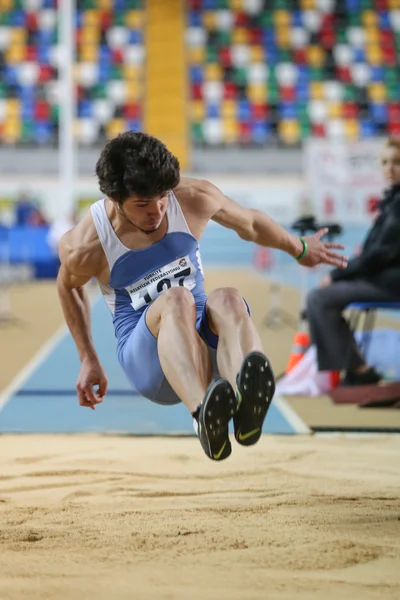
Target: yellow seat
209, 20
257, 92
228, 109
289, 130
197, 110
13, 108
134, 19
240, 35
91, 18
315, 56
104, 4
212, 72
369, 18
132, 72
15, 54
283, 36
257, 54
134, 91
12, 129
282, 18
18, 36
115, 127
88, 52
352, 129
393, 4
236, 5
374, 54
6, 5
196, 55
335, 110
230, 128
307, 4
377, 91
316, 90
89, 35
371, 36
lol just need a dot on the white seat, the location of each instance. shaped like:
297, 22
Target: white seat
343, 55
252, 7
3, 109
117, 92
213, 131
361, 74
356, 36
240, 54
47, 19
317, 111
213, 91
257, 72
117, 37
32, 5
225, 20
196, 36
28, 73
88, 131
56, 55
299, 37
103, 110
333, 91
53, 93
312, 20
394, 16
134, 54
5, 37
335, 128
286, 74
87, 74
325, 6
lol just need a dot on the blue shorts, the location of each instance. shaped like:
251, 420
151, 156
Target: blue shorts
140, 362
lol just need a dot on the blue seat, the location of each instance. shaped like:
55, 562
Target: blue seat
369, 309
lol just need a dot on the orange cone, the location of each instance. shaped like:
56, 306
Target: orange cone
301, 343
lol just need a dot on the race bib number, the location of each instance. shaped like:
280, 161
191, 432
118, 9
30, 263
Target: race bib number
181, 272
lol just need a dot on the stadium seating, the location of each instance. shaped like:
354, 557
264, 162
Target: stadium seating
259, 71
284, 69
108, 73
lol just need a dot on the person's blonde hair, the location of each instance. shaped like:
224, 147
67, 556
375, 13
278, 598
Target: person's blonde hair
392, 142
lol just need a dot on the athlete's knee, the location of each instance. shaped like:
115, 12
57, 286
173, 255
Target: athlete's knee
177, 299
228, 300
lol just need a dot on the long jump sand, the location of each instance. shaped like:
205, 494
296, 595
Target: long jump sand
293, 518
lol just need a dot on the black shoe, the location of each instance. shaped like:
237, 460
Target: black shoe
370, 377
215, 412
255, 390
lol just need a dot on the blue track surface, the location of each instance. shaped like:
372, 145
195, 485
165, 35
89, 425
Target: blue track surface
46, 401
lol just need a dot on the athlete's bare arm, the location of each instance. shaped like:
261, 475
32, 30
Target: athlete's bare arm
81, 258
201, 201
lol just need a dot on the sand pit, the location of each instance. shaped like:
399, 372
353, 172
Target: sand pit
107, 517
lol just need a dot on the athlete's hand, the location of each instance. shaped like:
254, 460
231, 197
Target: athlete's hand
320, 253
91, 374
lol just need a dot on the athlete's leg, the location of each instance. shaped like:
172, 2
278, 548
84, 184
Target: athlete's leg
237, 336
184, 357
241, 360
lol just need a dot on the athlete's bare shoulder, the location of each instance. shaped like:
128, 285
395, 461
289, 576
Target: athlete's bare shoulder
198, 196
80, 249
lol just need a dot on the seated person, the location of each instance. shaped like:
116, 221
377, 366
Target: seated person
373, 276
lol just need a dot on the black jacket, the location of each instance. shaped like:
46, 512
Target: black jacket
379, 261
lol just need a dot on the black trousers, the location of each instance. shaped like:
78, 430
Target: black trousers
329, 330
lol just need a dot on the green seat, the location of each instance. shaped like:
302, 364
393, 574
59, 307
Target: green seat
266, 20
27, 132
89, 4
317, 74
211, 54
305, 129
55, 113
240, 76
3, 90
119, 19
99, 91
355, 20
222, 38
197, 133
134, 4
350, 93
116, 72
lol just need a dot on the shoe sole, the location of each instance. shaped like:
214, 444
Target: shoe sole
217, 409
256, 387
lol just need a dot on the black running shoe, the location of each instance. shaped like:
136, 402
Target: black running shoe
215, 412
255, 390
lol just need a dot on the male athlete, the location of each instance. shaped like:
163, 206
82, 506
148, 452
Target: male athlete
141, 242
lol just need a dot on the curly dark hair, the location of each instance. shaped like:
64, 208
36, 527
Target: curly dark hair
136, 163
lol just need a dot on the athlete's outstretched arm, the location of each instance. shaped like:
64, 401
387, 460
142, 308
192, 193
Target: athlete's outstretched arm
258, 227
76, 309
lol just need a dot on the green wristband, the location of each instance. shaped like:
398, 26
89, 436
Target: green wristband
305, 249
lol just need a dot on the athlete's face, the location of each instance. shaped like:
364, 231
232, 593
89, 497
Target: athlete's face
391, 165
145, 213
